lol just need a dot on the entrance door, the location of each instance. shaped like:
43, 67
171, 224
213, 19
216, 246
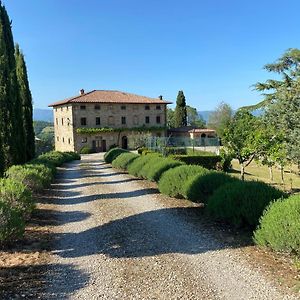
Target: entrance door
124, 142
97, 145
103, 145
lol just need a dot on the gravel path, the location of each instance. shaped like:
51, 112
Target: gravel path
116, 239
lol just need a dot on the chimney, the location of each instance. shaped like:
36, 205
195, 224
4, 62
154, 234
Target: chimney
81, 92
160, 97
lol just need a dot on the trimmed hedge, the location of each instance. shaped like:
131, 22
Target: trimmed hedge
242, 202
86, 150
279, 226
209, 162
156, 168
175, 151
16, 195
135, 167
123, 160
172, 181
113, 153
201, 186
152, 160
141, 149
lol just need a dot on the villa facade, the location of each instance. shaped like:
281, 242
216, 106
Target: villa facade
100, 119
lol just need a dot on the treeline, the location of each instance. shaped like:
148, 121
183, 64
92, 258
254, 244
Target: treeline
16, 124
273, 137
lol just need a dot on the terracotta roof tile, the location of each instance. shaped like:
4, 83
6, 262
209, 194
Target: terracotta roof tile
104, 96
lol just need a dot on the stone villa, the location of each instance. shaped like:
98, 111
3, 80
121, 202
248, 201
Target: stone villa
100, 119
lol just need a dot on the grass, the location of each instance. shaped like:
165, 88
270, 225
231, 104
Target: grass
256, 171
199, 152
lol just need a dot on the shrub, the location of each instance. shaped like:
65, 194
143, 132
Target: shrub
172, 181
147, 151
144, 170
242, 203
30, 177
201, 186
45, 172
225, 162
122, 161
113, 153
72, 155
156, 169
12, 224
113, 146
208, 161
86, 150
16, 195
135, 167
279, 226
197, 152
141, 149
54, 159
174, 150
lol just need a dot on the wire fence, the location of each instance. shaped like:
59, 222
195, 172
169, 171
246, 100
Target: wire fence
160, 143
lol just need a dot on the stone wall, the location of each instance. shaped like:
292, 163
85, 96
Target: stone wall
67, 118
63, 128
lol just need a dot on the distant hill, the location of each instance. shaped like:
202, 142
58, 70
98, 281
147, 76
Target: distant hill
206, 113
43, 115
47, 114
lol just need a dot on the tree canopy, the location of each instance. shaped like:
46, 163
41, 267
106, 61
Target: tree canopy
180, 117
220, 118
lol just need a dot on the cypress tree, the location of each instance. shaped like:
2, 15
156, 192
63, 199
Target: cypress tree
180, 110
26, 102
11, 126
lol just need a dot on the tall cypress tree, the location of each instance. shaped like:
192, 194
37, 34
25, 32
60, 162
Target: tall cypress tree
11, 111
26, 102
180, 110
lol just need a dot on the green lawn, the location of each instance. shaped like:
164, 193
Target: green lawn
256, 171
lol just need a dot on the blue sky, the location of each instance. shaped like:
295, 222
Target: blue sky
213, 50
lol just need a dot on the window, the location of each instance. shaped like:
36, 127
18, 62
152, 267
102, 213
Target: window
63, 139
97, 107
69, 141
57, 138
97, 120
147, 120
123, 120
158, 119
61, 109
67, 108
84, 140
158, 107
111, 120
83, 121
62, 121
135, 120
82, 107
147, 107
56, 121
123, 107
55, 108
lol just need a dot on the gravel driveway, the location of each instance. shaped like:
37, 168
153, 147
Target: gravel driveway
117, 239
